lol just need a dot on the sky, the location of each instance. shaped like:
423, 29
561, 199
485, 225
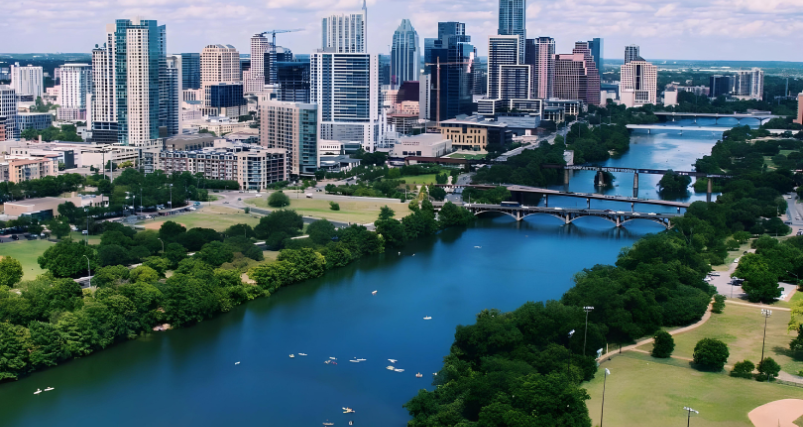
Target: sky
761, 30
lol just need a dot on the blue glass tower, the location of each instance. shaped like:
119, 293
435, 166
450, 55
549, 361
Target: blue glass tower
512, 16
190, 70
453, 48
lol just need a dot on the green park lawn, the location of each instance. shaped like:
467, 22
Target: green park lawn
466, 156
643, 391
77, 236
215, 217
26, 252
742, 328
358, 211
420, 179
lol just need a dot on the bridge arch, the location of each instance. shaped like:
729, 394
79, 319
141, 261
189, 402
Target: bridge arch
606, 218
655, 220
478, 213
559, 217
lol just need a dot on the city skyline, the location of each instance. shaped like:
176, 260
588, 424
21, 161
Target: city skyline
678, 30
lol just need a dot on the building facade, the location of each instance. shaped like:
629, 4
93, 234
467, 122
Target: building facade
36, 121
503, 50
576, 76
191, 70
720, 85
76, 84
512, 22
451, 84
294, 80
749, 84
540, 56
293, 127
346, 33
405, 56
27, 81
596, 46
638, 84
631, 53
8, 111
475, 133
219, 64
102, 114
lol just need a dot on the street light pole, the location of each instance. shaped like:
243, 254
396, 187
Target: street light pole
688, 414
766, 313
587, 309
569, 346
88, 271
604, 383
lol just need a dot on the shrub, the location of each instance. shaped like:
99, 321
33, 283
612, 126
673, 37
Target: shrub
664, 345
732, 245
743, 369
768, 368
711, 354
278, 200
719, 303
796, 345
334, 206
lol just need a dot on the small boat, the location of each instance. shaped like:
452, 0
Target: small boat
477, 247
348, 411
292, 356
327, 423
373, 293
236, 363
327, 361
361, 360
390, 368
49, 388
428, 318
435, 373
351, 423
392, 360
333, 358
38, 390
399, 370
302, 354
418, 375
354, 360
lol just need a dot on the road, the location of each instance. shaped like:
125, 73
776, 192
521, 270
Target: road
549, 139
457, 195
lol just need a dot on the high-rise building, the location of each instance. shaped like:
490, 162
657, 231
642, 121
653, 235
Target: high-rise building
512, 22
219, 64
631, 53
346, 33
749, 84
503, 51
597, 48
191, 70
171, 95
8, 111
638, 83
799, 118
28, 82
424, 95
102, 117
256, 73
479, 71
292, 126
720, 85
346, 88
76, 84
540, 56
139, 64
224, 99
294, 80
273, 56
576, 76
405, 56
451, 94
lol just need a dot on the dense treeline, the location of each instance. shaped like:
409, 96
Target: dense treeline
525, 169
49, 186
595, 143
690, 103
46, 321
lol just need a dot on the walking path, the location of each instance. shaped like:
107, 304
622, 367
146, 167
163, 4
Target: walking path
747, 304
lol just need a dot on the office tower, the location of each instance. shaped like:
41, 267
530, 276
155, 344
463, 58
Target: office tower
346, 88
274, 55
8, 111
294, 80
191, 70
219, 64
102, 118
346, 33
139, 63
224, 99
292, 126
540, 56
639, 83
749, 84
451, 94
76, 84
512, 16
171, 96
424, 95
480, 73
596, 47
256, 72
503, 51
720, 85
404, 55
576, 76
28, 82
631, 53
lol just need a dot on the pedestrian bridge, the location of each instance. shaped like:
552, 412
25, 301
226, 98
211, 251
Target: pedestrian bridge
567, 215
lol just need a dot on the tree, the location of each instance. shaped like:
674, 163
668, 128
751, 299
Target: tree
59, 228
760, 284
170, 231
453, 215
672, 183
437, 193
391, 230
14, 345
158, 264
278, 200
66, 259
10, 271
768, 368
711, 354
279, 225
386, 213
719, 304
664, 345
321, 231
216, 253
334, 206
113, 255
175, 253
743, 369
109, 275
244, 230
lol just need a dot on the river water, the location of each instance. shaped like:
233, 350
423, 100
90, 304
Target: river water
189, 377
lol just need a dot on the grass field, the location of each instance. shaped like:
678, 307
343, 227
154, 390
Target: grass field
362, 212
799, 422
642, 391
215, 217
420, 179
742, 328
77, 236
466, 156
26, 252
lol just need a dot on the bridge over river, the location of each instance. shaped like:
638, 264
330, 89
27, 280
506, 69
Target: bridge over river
758, 116
650, 128
567, 215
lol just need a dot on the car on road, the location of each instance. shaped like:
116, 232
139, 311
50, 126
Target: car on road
715, 273
652, 214
226, 202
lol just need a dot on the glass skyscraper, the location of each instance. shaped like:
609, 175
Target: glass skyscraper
190, 70
456, 81
512, 22
596, 46
404, 55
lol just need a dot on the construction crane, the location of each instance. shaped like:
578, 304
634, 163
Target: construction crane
438, 64
274, 32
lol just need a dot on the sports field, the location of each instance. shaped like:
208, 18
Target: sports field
643, 391
26, 252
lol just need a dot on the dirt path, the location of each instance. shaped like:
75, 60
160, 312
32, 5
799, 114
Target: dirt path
747, 304
781, 413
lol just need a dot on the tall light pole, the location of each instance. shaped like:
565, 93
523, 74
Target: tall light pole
766, 313
688, 414
587, 309
88, 271
604, 382
569, 365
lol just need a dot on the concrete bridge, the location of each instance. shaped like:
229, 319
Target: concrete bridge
567, 215
546, 192
716, 116
650, 128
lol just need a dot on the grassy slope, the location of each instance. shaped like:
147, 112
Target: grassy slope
419, 179
643, 391
359, 211
26, 252
215, 217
